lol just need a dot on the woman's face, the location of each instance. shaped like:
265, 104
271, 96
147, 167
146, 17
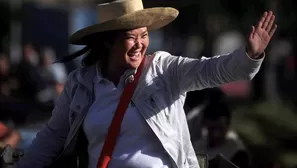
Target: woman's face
129, 48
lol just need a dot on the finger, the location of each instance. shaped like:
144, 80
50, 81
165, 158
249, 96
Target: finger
267, 20
270, 23
272, 31
262, 20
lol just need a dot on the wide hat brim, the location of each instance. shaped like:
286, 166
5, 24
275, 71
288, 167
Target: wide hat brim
152, 18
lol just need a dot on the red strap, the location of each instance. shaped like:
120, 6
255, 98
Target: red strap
116, 123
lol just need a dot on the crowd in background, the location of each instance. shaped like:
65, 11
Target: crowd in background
29, 88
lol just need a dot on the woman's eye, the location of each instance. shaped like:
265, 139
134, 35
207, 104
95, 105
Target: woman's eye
144, 36
130, 38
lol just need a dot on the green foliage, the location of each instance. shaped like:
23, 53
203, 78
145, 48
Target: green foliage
272, 124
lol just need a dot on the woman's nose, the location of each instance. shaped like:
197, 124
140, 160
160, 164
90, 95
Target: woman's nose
138, 44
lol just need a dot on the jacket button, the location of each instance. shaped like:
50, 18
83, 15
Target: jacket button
131, 79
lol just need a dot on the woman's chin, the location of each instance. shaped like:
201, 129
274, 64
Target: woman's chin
133, 65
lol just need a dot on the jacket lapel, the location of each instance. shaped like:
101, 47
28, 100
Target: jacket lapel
72, 151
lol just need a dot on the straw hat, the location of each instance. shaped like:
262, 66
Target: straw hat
125, 14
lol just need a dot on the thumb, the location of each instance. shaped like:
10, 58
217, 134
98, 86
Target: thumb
252, 33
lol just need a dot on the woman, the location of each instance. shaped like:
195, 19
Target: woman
154, 131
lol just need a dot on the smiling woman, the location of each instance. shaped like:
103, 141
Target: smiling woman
152, 130
118, 51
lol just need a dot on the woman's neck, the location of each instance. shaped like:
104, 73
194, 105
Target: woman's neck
112, 73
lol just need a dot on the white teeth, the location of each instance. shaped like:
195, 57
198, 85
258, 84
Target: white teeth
135, 54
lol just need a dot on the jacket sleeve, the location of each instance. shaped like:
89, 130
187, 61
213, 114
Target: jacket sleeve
195, 74
50, 141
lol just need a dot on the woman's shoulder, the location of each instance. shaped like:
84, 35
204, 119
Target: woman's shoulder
163, 59
81, 74
162, 56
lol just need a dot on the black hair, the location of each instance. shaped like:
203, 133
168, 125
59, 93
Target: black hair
95, 54
96, 49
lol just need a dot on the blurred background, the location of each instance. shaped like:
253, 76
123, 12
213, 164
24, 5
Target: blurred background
258, 117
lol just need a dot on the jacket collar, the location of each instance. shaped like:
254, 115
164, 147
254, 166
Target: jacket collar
86, 75
98, 77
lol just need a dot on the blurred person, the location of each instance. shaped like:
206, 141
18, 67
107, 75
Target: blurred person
28, 73
214, 24
57, 72
4, 75
11, 108
154, 132
194, 46
194, 118
218, 138
280, 50
8, 136
31, 55
54, 75
227, 42
281, 77
197, 101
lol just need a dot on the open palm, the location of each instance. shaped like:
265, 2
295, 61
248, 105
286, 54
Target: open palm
261, 35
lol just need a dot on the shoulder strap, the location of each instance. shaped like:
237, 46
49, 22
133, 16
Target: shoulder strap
116, 123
